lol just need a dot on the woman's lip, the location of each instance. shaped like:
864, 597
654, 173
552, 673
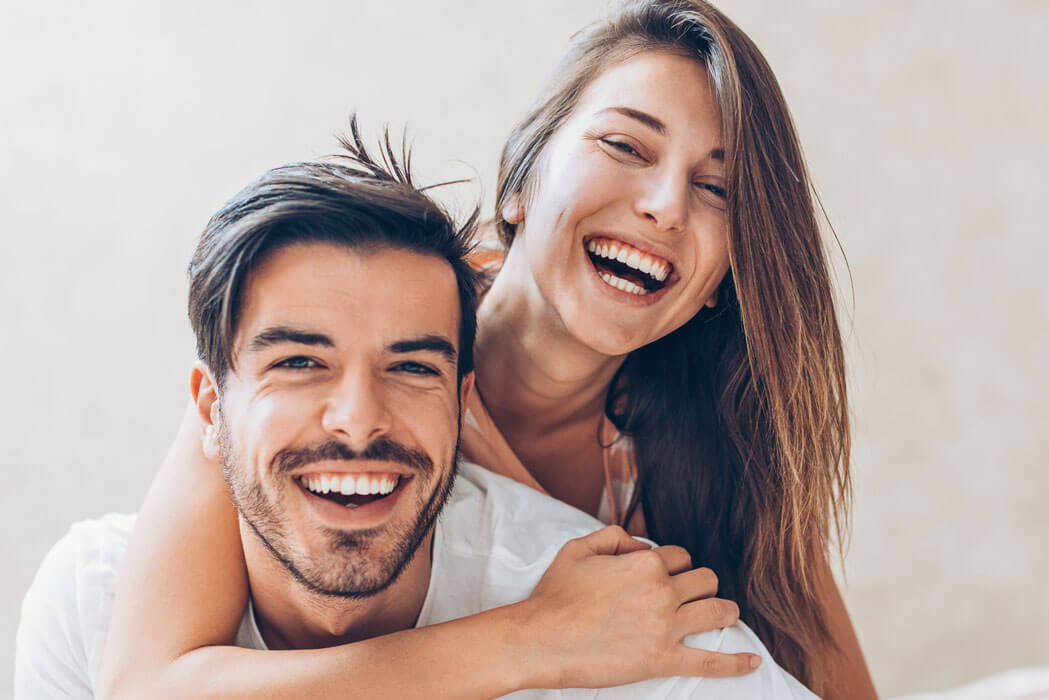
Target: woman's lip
647, 247
639, 300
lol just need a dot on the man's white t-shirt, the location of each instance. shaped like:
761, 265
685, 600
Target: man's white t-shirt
492, 543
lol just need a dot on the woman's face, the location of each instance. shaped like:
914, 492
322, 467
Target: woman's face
624, 226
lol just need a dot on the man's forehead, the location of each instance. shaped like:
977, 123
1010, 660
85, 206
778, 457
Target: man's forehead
371, 296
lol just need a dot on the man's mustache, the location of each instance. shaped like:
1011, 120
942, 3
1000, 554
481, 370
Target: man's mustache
383, 449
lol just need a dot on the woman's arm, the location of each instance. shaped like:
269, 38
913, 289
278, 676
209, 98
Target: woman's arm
595, 619
850, 678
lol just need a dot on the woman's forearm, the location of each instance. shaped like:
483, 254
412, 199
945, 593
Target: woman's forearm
472, 657
183, 581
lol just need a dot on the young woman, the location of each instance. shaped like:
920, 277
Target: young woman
658, 348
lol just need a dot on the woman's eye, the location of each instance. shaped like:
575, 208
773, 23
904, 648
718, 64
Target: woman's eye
415, 368
297, 362
713, 189
622, 147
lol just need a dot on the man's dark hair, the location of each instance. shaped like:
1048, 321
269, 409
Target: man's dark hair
353, 200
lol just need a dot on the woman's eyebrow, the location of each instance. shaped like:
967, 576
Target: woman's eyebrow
656, 125
643, 117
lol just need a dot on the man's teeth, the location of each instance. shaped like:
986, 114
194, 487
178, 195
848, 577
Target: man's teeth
350, 484
652, 266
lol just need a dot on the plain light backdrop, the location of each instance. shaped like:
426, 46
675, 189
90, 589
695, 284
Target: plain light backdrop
124, 125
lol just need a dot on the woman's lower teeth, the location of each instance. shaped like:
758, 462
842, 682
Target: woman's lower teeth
623, 285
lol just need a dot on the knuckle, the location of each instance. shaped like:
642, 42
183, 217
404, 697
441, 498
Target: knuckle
710, 665
650, 562
710, 577
730, 611
682, 553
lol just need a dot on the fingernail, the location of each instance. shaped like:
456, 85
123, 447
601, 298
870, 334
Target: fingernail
755, 661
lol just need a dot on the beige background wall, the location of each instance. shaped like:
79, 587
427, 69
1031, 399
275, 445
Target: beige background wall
125, 124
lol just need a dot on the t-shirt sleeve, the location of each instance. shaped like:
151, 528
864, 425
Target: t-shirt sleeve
61, 632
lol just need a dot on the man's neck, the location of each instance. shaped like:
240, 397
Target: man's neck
291, 616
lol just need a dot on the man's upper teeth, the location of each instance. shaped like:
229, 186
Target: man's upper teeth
652, 266
350, 484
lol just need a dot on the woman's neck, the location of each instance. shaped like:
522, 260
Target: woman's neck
533, 374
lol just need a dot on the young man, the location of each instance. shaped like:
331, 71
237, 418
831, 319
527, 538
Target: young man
334, 315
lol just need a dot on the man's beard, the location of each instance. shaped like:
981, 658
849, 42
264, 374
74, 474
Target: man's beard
357, 564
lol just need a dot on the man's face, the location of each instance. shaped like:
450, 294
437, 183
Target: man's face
339, 425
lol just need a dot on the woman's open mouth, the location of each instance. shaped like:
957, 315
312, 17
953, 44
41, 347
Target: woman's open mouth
351, 490
627, 268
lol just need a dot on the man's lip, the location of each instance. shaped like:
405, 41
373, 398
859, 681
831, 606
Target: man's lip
654, 249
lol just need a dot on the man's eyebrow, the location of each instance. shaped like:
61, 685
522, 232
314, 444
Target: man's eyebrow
643, 117
432, 343
286, 334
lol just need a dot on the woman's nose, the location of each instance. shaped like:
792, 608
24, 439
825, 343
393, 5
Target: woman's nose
663, 200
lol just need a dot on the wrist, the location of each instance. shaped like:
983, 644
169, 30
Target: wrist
532, 658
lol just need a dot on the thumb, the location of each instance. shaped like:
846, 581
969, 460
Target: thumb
611, 540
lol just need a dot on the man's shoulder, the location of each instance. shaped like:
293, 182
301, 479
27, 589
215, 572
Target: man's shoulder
489, 511
494, 540
62, 627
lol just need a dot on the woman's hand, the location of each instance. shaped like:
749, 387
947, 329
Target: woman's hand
610, 610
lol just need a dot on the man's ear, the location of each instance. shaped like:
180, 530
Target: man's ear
466, 386
204, 390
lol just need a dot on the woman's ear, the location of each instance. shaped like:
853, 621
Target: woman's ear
205, 396
513, 211
712, 300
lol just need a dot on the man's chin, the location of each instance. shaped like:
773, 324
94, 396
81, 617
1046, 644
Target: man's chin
356, 564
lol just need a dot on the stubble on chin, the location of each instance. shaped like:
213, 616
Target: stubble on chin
352, 565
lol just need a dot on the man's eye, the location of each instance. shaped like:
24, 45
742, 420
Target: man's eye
298, 362
415, 368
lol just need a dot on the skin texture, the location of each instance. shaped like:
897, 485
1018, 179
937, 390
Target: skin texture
551, 336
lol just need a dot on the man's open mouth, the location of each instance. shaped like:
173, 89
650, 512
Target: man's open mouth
351, 490
627, 268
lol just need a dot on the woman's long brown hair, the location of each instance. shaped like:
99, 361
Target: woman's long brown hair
739, 418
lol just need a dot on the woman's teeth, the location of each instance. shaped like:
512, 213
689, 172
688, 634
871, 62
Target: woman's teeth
626, 268
350, 484
652, 266
624, 285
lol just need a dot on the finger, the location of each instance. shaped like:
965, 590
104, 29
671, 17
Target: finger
695, 584
714, 664
706, 615
676, 559
609, 540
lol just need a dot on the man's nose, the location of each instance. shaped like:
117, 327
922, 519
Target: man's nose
356, 412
